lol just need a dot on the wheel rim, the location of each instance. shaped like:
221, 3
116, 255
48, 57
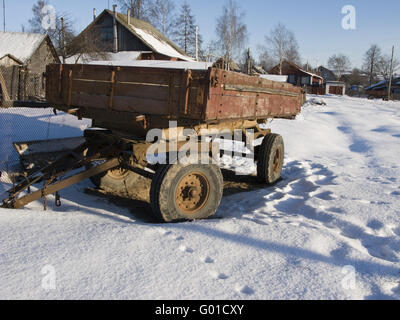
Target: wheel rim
192, 193
277, 160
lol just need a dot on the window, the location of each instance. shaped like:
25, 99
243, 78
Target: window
305, 80
107, 34
292, 79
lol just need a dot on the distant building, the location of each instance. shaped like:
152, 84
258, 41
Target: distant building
327, 74
297, 76
335, 87
380, 89
23, 60
116, 32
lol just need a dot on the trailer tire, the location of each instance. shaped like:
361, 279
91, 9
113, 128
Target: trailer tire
118, 180
186, 192
270, 158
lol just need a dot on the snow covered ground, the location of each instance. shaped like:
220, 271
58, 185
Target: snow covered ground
335, 215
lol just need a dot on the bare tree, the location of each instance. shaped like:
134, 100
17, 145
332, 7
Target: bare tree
162, 16
87, 47
59, 36
210, 52
339, 63
185, 30
265, 60
384, 64
371, 61
231, 31
283, 45
140, 9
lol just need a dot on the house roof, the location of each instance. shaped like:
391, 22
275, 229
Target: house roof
383, 84
20, 46
153, 38
300, 69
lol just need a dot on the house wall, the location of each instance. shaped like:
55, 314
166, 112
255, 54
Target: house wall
41, 58
8, 62
103, 32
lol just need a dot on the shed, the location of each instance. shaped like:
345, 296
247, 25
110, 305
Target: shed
335, 87
23, 60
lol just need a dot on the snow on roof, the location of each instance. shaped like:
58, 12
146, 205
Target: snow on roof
152, 37
380, 83
274, 77
158, 45
193, 65
19, 45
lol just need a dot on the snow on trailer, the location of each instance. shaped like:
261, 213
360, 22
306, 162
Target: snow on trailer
130, 101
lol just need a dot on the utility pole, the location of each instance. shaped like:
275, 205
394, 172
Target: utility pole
4, 15
248, 62
197, 43
391, 75
63, 39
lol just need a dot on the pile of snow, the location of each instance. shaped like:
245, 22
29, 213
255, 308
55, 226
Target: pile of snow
329, 230
316, 101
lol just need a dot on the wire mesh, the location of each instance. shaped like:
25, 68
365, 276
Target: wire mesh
27, 124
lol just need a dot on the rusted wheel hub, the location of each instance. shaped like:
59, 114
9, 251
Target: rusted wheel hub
192, 193
118, 173
277, 160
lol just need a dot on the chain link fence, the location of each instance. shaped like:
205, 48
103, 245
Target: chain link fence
27, 124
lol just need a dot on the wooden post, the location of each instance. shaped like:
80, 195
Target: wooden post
63, 38
391, 75
3, 86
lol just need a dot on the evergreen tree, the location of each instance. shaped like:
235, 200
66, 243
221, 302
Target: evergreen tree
185, 30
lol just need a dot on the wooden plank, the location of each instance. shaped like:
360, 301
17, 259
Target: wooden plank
6, 96
112, 90
241, 88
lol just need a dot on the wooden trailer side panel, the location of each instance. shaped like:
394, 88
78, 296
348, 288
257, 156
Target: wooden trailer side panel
237, 96
171, 93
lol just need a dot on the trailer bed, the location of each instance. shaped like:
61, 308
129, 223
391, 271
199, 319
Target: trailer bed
134, 98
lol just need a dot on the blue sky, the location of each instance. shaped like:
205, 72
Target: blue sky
316, 23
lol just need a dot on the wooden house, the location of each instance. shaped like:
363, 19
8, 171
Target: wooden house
23, 60
297, 75
115, 32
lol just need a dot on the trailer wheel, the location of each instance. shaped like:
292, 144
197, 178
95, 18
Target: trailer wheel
117, 180
270, 158
186, 192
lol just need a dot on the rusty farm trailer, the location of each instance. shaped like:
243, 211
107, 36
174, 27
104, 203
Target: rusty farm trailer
127, 102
